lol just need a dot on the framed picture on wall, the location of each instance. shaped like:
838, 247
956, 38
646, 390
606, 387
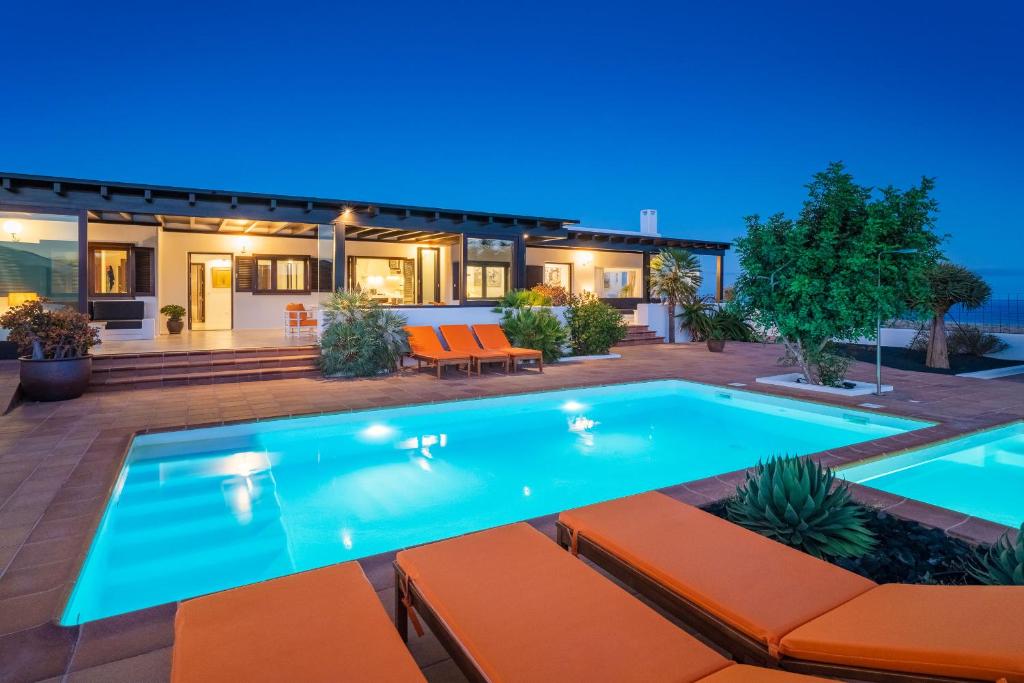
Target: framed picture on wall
220, 278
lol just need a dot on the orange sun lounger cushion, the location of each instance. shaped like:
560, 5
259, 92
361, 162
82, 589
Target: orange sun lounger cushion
492, 337
525, 610
956, 631
761, 587
322, 625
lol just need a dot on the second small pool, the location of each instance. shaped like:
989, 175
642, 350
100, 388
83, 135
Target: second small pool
981, 475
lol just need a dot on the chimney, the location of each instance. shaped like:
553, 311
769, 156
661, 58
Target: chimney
649, 221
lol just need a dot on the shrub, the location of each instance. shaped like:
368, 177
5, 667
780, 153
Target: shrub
46, 334
594, 326
792, 500
535, 328
962, 339
1000, 564
521, 298
173, 311
556, 296
360, 338
970, 340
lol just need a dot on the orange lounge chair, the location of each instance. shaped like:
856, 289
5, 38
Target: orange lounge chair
324, 625
770, 604
493, 338
299, 319
461, 340
508, 605
426, 348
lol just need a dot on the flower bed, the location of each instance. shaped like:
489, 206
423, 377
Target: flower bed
907, 552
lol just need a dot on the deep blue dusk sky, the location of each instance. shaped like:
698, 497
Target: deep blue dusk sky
705, 111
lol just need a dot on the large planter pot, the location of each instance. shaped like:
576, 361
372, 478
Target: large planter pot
175, 326
716, 345
55, 380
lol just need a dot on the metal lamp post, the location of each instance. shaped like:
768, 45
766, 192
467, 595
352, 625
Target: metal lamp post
878, 323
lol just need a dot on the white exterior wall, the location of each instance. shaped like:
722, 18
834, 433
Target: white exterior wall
655, 316
251, 311
585, 264
901, 337
460, 315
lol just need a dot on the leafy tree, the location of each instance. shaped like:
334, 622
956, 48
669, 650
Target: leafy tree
814, 279
948, 285
675, 278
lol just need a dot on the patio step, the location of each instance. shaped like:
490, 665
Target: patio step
131, 371
640, 335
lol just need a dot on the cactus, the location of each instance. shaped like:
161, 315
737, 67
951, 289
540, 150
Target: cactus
1000, 564
792, 500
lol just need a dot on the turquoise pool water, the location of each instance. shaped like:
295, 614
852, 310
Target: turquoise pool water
980, 475
204, 510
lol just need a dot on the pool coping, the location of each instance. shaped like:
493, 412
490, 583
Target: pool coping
122, 637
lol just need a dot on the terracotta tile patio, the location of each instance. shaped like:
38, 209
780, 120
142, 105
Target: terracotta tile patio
58, 461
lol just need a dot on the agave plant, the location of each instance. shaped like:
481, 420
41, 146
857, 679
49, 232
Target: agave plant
1000, 564
792, 500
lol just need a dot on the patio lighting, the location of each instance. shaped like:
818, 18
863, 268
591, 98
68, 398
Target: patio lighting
13, 230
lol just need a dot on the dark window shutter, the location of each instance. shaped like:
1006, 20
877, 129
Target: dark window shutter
534, 276
456, 281
314, 274
245, 273
145, 273
325, 272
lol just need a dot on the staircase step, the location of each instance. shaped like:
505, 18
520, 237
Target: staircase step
199, 365
641, 342
214, 355
203, 377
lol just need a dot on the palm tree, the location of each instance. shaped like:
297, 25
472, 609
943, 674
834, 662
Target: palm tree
950, 284
675, 277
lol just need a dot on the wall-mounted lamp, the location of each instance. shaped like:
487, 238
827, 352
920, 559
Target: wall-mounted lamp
243, 246
13, 230
585, 258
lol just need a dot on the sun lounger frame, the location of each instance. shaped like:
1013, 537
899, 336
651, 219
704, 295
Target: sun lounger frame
741, 646
441, 631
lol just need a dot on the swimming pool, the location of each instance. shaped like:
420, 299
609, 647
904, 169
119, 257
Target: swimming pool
203, 510
981, 475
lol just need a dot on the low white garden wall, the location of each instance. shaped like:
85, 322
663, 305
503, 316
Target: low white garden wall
655, 316
901, 337
464, 315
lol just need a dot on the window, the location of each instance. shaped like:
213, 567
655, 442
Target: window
488, 266
121, 271
282, 275
389, 281
38, 257
109, 266
618, 283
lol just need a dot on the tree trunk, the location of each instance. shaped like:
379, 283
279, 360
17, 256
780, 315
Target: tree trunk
797, 350
671, 321
938, 353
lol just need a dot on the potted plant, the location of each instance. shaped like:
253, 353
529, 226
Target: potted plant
174, 313
725, 323
54, 347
